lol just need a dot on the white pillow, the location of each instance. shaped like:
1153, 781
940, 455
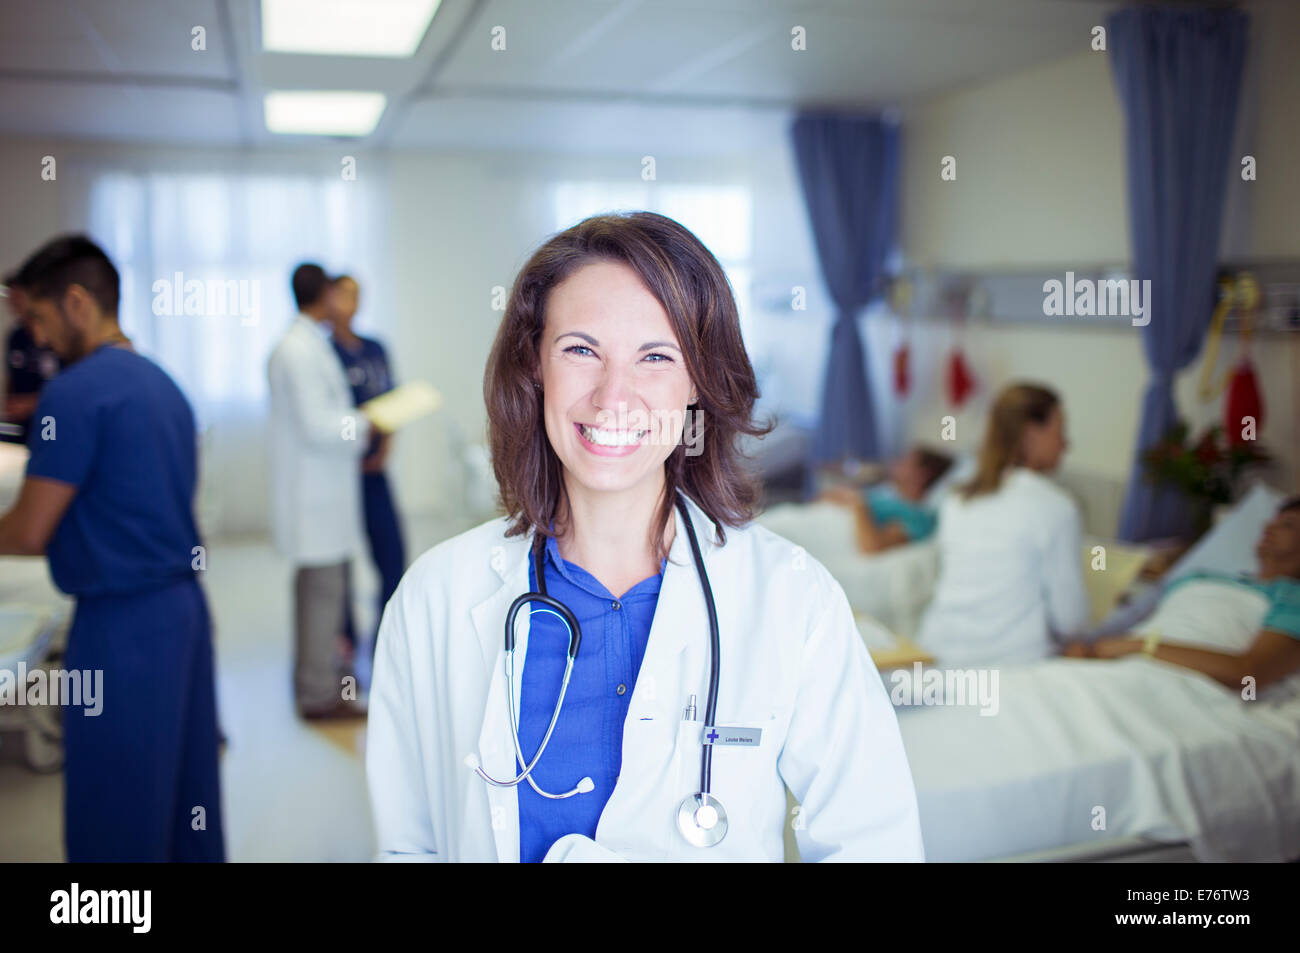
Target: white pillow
1229, 546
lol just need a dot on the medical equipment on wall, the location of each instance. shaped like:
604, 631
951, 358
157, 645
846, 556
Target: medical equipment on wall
1243, 402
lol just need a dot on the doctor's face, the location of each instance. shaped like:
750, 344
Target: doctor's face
614, 383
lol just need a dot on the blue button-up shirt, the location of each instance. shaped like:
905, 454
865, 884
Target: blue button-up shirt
588, 738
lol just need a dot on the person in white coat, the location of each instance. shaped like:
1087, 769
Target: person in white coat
615, 391
317, 437
1010, 585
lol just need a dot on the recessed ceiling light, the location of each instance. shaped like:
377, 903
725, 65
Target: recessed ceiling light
323, 113
346, 27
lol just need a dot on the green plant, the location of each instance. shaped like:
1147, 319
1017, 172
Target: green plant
1207, 470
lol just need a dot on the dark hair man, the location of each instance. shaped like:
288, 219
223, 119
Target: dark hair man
109, 500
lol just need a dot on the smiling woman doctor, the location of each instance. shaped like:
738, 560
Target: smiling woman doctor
671, 682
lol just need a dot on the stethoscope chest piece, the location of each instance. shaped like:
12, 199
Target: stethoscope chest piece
702, 820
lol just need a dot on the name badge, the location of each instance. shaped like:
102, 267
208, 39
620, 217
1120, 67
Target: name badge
724, 735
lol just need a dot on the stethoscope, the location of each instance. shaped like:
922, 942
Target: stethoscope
700, 817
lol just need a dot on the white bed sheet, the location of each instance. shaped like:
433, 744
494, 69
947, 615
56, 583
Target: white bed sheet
892, 587
26, 580
13, 468
26, 586
1167, 752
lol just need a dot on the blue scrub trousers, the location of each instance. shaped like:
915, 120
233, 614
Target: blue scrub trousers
136, 772
387, 549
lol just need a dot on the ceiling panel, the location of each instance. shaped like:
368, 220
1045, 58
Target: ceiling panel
80, 111
564, 45
604, 75
143, 37
598, 128
850, 60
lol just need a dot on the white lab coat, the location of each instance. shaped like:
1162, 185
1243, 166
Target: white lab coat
792, 663
317, 439
1010, 575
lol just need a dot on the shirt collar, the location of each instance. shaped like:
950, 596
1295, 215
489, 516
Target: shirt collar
587, 582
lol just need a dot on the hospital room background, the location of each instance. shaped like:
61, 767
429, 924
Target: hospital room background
997, 152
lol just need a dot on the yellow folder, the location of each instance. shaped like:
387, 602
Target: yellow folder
402, 405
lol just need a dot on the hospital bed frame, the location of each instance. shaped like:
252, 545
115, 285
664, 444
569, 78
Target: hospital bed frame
27, 591
39, 726
1133, 849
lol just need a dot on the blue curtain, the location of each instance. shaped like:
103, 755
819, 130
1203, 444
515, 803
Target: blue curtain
1178, 74
848, 166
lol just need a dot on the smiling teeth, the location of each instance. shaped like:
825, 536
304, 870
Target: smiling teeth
613, 438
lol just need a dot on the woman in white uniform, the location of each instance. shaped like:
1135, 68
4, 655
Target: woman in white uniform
616, 390
1010, 545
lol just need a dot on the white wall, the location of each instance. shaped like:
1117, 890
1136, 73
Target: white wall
1040, 173
28, 206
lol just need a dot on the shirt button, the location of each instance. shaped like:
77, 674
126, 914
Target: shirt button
622, 689
615, 605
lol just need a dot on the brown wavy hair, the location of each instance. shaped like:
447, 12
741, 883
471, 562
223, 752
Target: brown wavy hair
688, 282
1017, 406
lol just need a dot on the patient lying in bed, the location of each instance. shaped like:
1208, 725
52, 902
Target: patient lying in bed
894, 513
1233, 628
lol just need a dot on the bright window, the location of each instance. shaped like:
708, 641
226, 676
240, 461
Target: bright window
205, 260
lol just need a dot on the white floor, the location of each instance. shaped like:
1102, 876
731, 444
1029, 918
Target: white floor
291, 790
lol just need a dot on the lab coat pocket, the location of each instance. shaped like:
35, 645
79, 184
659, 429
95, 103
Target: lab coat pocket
742, 776
690, 737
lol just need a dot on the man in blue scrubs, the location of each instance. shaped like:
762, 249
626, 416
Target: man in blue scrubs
108, 498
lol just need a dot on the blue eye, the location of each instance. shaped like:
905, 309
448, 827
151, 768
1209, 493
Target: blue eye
664, 356
577, 347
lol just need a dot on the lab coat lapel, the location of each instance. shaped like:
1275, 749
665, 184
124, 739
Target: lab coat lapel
680, 610
496, 749
509, 561
663, 684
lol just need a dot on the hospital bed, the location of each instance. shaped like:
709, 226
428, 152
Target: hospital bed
1128, 759
1133, 759
34, 617
1086, 758
27, 635
891, 587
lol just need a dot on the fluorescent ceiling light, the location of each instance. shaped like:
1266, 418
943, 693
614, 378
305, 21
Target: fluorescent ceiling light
346, 27
324, 113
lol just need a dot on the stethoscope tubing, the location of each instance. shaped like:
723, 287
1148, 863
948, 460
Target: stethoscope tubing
715, 650
566, 616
